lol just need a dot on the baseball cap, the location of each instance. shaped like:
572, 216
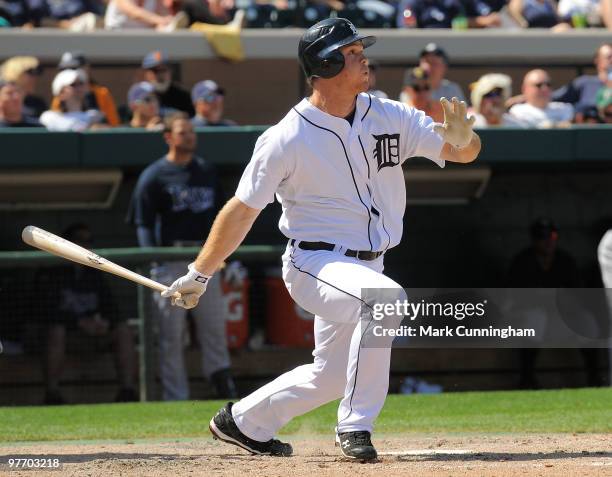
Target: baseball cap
66, 78
72, 60
604, 98
414, 75
139, 91
488, 83
206, 90
154, 59
434, 49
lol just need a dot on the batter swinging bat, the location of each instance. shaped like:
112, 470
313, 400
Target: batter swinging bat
39, 238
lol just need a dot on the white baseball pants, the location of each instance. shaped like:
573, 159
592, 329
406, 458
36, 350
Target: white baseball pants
209, 317
327, 284
604, 254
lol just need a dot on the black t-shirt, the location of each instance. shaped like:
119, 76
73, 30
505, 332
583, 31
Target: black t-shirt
175, 98
74, 292
34, 106
179, 202
526, 271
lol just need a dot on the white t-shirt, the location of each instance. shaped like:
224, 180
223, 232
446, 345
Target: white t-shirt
507, 121
72, 121
543, 118
339, 183
115, 19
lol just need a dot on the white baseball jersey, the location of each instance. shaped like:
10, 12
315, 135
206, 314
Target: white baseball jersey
339, 183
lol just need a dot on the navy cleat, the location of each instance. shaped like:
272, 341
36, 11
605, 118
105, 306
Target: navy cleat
356, 445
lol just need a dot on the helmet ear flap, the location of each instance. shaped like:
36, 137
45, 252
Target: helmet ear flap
331, 65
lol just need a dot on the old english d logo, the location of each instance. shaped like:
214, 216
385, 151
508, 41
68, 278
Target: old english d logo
386, 150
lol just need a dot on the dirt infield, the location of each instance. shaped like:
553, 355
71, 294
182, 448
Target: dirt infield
472, 455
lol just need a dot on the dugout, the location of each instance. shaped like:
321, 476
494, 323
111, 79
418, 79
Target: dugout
565, 174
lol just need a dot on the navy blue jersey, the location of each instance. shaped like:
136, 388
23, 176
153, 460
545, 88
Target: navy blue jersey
178, 202
581, 92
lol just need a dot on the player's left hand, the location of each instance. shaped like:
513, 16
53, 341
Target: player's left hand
457, 127
190, 286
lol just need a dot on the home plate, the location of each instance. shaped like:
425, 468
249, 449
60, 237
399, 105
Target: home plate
428, 452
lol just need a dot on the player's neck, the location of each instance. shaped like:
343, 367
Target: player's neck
179, 158
339, 104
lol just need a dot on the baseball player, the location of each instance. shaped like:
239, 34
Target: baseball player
175, 200
604, 255
334, 163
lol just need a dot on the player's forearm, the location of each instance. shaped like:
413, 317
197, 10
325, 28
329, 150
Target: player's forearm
228, 231
464, 155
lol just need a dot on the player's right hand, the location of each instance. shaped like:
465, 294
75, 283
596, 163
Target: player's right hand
457, 127
190, 286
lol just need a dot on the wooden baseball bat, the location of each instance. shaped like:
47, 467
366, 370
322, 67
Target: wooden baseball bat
39, 238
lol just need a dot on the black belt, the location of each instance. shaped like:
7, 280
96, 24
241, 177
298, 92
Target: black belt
360, 254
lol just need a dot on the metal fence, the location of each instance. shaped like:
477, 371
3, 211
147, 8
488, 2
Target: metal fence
30, 285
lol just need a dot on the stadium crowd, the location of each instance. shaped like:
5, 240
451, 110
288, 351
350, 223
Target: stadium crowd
80, 103
169, 15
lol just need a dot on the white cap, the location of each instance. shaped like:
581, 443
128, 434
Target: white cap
488, 83
66, 78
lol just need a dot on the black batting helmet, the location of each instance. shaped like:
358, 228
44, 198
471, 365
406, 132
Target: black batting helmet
319, 53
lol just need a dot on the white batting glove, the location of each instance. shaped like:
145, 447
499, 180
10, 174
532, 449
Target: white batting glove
190, 286
457, 127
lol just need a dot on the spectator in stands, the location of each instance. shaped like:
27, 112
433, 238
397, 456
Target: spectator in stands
582, 91
144, 107
604, 104
606, 18
70, 86
417, 91
73, 15
373, 68
484, 13
22, 13
161, 15
174, 203
428, 13
25, 71
434, 60
544, 265
11, 107
539, 111
581, 13
208, 101
216, 12
489, 95
537, 14
171, 96
77, 299
98, 97
588, 115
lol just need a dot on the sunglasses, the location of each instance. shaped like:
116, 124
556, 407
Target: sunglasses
419, 88
211, 97
548, 84
34, 71
76, 84
149, 99
496, 93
